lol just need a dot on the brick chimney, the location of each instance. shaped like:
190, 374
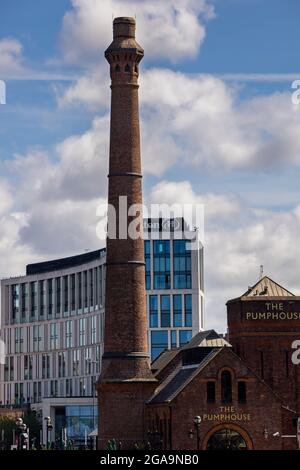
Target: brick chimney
126, 380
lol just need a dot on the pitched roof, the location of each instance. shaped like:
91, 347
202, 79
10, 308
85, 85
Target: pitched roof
182, 375
205, 339
266, 287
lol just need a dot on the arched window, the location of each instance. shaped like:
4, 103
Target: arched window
127, 68
226, 387
117, 69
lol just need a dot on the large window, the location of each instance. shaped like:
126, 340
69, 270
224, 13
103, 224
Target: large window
69, 334
165, 311
82, 331
50, 298
42, 285
159, 342
162, 275
153, 311
34, 288
61, 364
66, 295
182, 264
53, 336
58, 295
73, 296
15, 302
19, 340
38, 333
148, 263
94, 330
184, 336
24, 294
177, 310
188, 310
226, 387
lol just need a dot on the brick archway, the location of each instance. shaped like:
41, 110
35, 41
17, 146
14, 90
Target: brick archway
231, 426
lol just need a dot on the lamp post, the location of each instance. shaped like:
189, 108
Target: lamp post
22, 434
197, 422
49, 427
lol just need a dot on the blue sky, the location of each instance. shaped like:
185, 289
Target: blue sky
224, 136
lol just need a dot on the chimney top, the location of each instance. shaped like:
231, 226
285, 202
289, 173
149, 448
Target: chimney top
124, 26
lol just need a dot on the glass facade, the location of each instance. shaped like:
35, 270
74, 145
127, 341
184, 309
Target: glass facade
153, 311
161, 262
147, 246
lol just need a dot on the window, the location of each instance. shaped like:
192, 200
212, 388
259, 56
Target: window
69, 334
94, 329
182, 264
15, 302
262, 368
33, 287
242, 392
69, 387
61, 364
58, 296
79, 278
91, 279
37, 338
53, 336
53, 388
165, 311
45, 366
173, 339
85, 291
73, 297
147, 248
50, 298
159, 342
184, 336
211, 392
76, 361
19, 340
226, 387
24, 294
153, 307
177, 310
82, 331
28, 366
188, 310
161, 260
66, 295
42, 285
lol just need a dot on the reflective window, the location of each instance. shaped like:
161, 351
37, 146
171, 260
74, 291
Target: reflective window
185, 336
173, 339
188, 310
159, 342
153, 311
165, 311
161, 261
177, 310
182, 264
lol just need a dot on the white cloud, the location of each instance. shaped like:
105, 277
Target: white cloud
169, 29
11, 60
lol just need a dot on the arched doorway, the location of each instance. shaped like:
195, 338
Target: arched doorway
227, 437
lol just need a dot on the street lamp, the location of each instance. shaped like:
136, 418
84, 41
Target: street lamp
22, 434
49, 427
197, 422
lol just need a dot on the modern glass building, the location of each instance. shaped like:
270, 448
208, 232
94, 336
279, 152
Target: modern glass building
52, 323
